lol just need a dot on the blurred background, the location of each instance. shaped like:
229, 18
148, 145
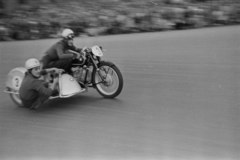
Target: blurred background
38, 19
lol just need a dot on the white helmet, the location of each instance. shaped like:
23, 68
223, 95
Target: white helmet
32, 63
67, 33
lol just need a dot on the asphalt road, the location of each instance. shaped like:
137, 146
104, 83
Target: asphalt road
181, 100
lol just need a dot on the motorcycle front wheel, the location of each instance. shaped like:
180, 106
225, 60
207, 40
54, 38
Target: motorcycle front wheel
108, 80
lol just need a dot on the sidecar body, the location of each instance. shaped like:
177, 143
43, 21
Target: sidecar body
67, 85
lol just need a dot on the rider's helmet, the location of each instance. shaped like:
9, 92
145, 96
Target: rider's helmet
32, 63
68, 34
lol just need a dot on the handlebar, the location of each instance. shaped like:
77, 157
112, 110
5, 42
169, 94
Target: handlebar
74, 52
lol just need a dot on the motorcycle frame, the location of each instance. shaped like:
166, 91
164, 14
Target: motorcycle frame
91, 61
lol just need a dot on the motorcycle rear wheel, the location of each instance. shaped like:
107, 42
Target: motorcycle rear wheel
110, 83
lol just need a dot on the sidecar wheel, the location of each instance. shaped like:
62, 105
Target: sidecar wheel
110, 83
16, 99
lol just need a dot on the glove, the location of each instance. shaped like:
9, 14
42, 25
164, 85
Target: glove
55, 75
88, 50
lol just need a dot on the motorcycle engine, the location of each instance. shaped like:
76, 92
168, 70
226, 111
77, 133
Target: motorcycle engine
80, 73
78, 62
81, 60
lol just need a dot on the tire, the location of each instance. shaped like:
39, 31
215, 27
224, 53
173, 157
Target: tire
113, 84
16, 99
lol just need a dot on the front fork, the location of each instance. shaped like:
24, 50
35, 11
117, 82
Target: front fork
95, 67
102, 77
98, 71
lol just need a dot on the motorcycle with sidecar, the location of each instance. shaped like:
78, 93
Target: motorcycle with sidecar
92, 71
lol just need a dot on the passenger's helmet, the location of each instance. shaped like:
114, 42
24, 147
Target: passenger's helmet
32, 63
68, 34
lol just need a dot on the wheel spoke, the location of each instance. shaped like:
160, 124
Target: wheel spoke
108, 81
112, 73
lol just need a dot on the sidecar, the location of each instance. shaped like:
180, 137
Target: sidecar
67, 87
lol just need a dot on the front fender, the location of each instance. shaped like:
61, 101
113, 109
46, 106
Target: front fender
106, 62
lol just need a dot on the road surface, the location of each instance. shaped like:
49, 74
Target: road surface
180, 100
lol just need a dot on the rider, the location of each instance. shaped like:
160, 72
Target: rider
33, 91
60, 55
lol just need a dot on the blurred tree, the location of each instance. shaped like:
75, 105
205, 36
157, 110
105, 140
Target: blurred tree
200, 0
54, 1
22, 1
1, 4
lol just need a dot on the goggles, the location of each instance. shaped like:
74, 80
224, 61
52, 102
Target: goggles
70, 36
36, 68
